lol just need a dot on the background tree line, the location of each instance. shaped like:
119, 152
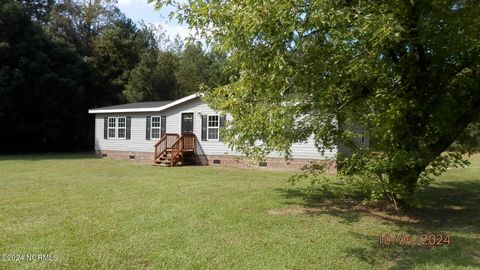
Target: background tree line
60, 58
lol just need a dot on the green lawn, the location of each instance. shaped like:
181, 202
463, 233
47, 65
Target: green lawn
105, 214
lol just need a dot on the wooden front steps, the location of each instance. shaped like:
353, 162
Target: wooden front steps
175, 150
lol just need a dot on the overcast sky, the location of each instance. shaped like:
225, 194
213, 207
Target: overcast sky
138, 10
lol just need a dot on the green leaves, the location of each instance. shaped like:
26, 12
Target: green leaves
406, 71
43, 84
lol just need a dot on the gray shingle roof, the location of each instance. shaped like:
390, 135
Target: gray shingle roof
137, 105
151, 106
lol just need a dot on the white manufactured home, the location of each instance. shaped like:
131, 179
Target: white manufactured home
180, 132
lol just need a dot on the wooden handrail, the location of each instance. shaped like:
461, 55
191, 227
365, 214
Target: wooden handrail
177, 148
162, 145
167, 134
184, 142
158, 145
176, 143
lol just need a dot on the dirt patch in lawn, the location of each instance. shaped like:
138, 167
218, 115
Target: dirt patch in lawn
287, 211
347, 209
476, 254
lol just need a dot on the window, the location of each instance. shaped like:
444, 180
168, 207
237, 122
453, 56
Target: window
213, 125
112, 125
117, 128
121, 128
155, 127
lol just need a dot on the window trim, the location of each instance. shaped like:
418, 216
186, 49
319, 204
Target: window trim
116, 128
110, 128
217, 127
125, 128
159, 127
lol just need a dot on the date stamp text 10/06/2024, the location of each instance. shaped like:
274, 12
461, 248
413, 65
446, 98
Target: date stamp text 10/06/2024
424, 240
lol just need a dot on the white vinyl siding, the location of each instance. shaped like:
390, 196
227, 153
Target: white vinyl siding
139, 143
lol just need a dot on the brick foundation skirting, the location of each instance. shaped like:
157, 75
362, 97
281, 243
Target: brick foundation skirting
269, 163
225, 160
138, 156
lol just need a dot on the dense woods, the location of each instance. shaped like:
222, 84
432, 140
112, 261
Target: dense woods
60, 58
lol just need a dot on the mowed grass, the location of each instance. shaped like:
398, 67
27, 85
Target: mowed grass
105, 214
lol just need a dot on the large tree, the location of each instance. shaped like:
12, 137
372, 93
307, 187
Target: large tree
80, 22
176, 73
407, 71
117, 50
39, 10
199, 68
153, 78
192, 69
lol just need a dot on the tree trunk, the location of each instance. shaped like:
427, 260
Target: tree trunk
406, 180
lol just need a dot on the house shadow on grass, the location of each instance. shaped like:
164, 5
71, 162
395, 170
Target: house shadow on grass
450, 207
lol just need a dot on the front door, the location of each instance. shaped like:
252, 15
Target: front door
187, 123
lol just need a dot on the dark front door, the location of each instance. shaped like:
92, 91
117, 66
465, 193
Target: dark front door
187, 123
